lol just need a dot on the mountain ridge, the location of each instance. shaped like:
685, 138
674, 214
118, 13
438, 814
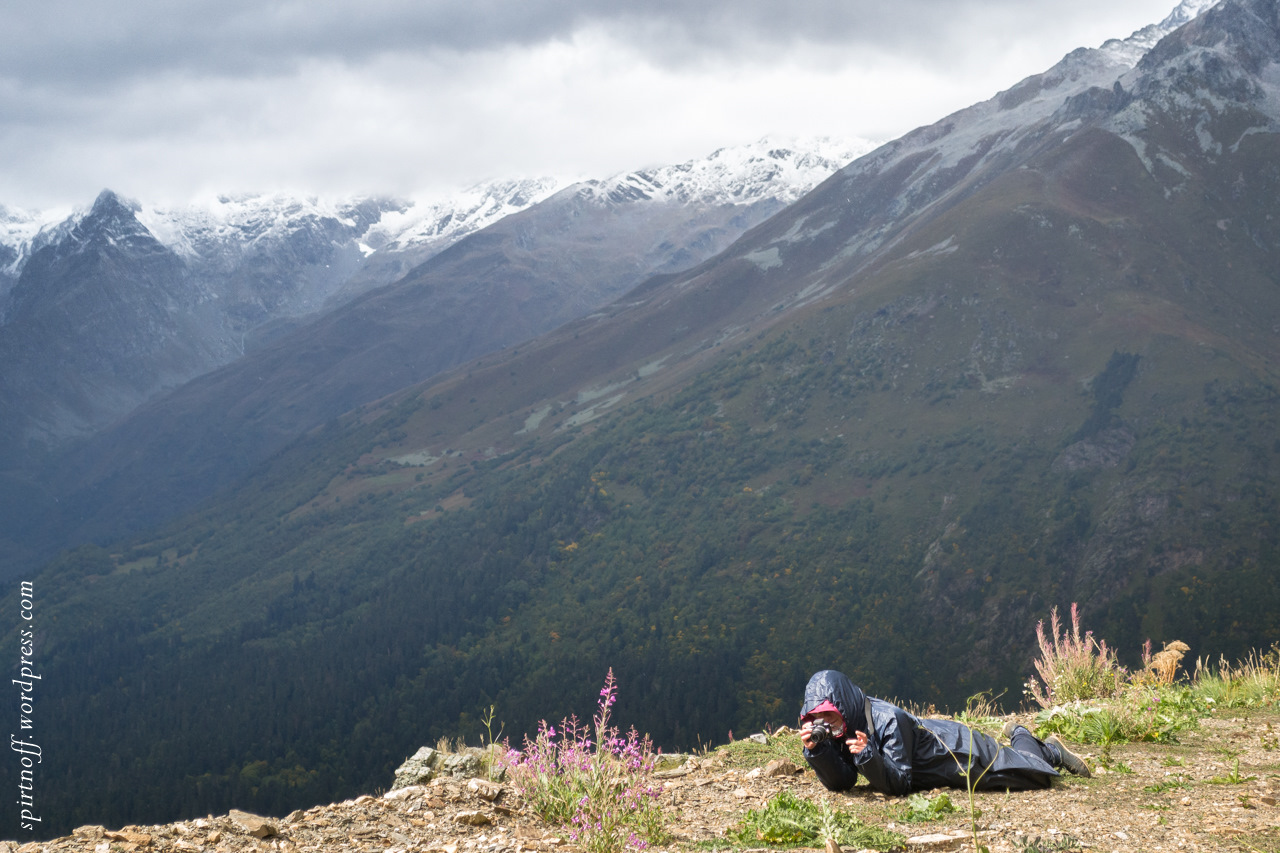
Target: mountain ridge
986, 370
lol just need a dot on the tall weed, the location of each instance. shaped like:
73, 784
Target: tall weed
1073, 666
1252, 682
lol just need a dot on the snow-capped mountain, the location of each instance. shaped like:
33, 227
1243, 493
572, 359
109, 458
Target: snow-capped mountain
245, 269
773, 168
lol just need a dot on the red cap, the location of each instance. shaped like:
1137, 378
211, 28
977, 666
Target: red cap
822, 707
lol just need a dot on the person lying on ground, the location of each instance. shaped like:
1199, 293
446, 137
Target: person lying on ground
846, 733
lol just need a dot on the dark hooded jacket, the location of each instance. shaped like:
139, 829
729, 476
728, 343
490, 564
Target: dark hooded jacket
905, 753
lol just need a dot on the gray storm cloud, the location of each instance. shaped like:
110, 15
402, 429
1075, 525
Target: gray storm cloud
168, 99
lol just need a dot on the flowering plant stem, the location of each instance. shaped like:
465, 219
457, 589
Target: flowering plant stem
600, 791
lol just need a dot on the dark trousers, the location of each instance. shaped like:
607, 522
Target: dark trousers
1023, 741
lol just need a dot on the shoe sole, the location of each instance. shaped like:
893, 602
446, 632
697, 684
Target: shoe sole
1070, 760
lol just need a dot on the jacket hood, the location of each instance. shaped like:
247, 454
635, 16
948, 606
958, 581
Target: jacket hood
836, 688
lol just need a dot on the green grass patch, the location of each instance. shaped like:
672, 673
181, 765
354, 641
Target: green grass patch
788, 821
747, 753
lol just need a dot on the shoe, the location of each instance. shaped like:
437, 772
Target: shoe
1011, 727
1070, 760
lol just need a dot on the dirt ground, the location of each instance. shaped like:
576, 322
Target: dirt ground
1190, 796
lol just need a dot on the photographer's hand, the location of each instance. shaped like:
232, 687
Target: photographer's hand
857, 743
805, 731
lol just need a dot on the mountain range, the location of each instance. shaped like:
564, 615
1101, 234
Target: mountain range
118, 304
1022, 357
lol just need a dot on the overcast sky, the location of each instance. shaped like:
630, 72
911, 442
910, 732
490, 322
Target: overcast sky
165, 101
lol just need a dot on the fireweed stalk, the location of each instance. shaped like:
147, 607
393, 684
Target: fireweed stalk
601, 791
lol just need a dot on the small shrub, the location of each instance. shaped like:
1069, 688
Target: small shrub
1145, 715
600, 791
921, 808
1073, 666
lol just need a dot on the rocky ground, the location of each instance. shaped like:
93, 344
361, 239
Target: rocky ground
1190, 796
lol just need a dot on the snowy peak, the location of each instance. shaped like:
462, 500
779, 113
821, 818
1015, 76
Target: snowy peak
439, 223
1129, 51
777, 169
233, 226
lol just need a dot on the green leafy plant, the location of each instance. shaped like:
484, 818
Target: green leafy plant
1051, 845
1232, 778
922, 808
600, 791
1171, 784
492, 758
789, 821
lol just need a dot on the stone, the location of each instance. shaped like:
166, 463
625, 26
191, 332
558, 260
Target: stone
255, 825
469, 762
485, 789
832, 847
758, 738
93, 831
780, 767
671, 760
936, 841
405, 793
129, 836
418, 769
472, 818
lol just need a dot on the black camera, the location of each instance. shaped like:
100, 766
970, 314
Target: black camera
821, 731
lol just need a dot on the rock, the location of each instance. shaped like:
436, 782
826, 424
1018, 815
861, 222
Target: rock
418, 769
129, 835
936, 841
485, 789
780, 767
741, 793
758, 738
405, 793
832, 847
469, 762
91, 832
1268, 799
255, 825
671, 760
472, 818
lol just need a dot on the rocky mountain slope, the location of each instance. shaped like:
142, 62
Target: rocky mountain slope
242, 270
1024, 357
511, 276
